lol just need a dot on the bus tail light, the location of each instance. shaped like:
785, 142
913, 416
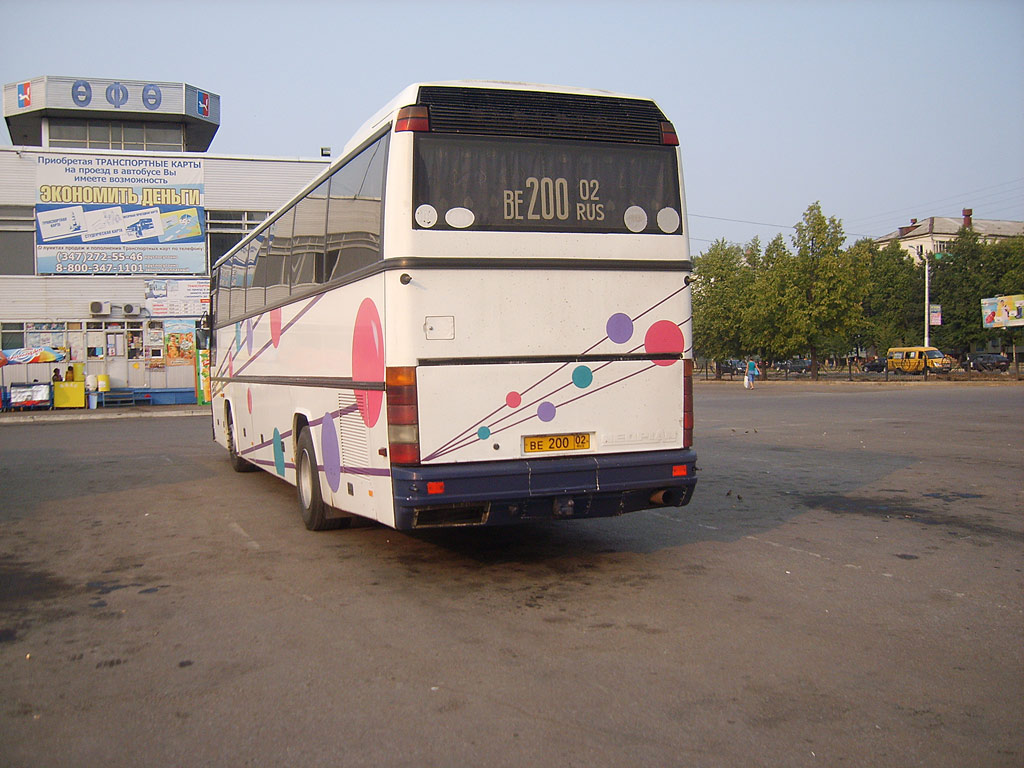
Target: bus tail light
403, 416
668, 134
687, 403
413, 118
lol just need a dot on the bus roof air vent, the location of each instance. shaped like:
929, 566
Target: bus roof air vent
542, 114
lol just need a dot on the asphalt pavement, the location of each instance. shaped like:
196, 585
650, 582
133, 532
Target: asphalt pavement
845, 589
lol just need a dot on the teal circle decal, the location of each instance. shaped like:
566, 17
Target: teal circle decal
278, 453
582, 376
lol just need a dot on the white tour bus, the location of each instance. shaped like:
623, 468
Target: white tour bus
478, 315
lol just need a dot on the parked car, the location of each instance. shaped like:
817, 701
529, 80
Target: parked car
796, 365
878, 365
985, 361
735, 367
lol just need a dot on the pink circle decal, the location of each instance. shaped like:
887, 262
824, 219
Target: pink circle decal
513, 399
368, 360
275, 327
664, 338
248, 398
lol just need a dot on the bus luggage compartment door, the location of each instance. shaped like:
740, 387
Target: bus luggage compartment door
534, 410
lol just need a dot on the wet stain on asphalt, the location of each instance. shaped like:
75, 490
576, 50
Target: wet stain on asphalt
21, 585
901, 509
952, 496
106, 587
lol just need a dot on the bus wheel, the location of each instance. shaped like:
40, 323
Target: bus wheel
307, 484
237, 462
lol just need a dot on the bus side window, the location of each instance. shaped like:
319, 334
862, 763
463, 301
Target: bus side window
236, 287
279, 248
255, 288
354, 213
221, 304
308, 239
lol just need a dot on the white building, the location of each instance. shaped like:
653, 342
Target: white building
111, 212
936, 233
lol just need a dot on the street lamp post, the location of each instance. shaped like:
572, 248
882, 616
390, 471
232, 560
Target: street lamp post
926, 258
927, 297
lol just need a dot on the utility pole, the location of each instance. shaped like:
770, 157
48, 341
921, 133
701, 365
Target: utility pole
927, 297
926, 258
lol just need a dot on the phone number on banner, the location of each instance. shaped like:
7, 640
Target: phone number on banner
98, 262
84, 261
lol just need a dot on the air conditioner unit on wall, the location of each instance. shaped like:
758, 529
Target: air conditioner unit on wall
131, 310
99, 307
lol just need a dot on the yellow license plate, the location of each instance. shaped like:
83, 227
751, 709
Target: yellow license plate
572, 441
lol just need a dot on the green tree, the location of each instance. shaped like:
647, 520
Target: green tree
894, 301
831, 284
767, 326
719, 290
969, 272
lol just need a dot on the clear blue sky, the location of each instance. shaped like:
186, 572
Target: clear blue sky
882, 111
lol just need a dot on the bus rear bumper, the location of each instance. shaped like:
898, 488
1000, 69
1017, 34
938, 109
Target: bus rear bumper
506, 492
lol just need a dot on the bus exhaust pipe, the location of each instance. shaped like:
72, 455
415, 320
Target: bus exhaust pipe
564, 507
668, 497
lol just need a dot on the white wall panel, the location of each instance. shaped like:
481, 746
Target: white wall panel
17, 177
65, 298
256, 185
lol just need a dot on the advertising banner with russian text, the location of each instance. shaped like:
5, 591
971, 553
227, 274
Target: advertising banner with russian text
119, 215
177, 298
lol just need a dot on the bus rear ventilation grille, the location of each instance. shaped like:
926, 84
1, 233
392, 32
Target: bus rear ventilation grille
451, 515
498, 112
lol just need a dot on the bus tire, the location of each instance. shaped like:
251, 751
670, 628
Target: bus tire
237, 462
307, 485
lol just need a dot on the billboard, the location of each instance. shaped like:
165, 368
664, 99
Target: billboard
1003, 311
119, 215
177, 298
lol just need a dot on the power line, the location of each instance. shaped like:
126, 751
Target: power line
996, 194
920, 206
742, 221
763, 224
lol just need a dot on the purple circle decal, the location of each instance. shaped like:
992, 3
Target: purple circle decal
619, 328
546, 411
330, 452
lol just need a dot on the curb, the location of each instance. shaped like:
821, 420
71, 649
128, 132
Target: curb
136, 412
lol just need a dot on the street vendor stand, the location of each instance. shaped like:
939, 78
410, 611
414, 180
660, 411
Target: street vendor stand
25, 396
69, 394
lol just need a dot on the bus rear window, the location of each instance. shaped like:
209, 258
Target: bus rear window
522, 185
